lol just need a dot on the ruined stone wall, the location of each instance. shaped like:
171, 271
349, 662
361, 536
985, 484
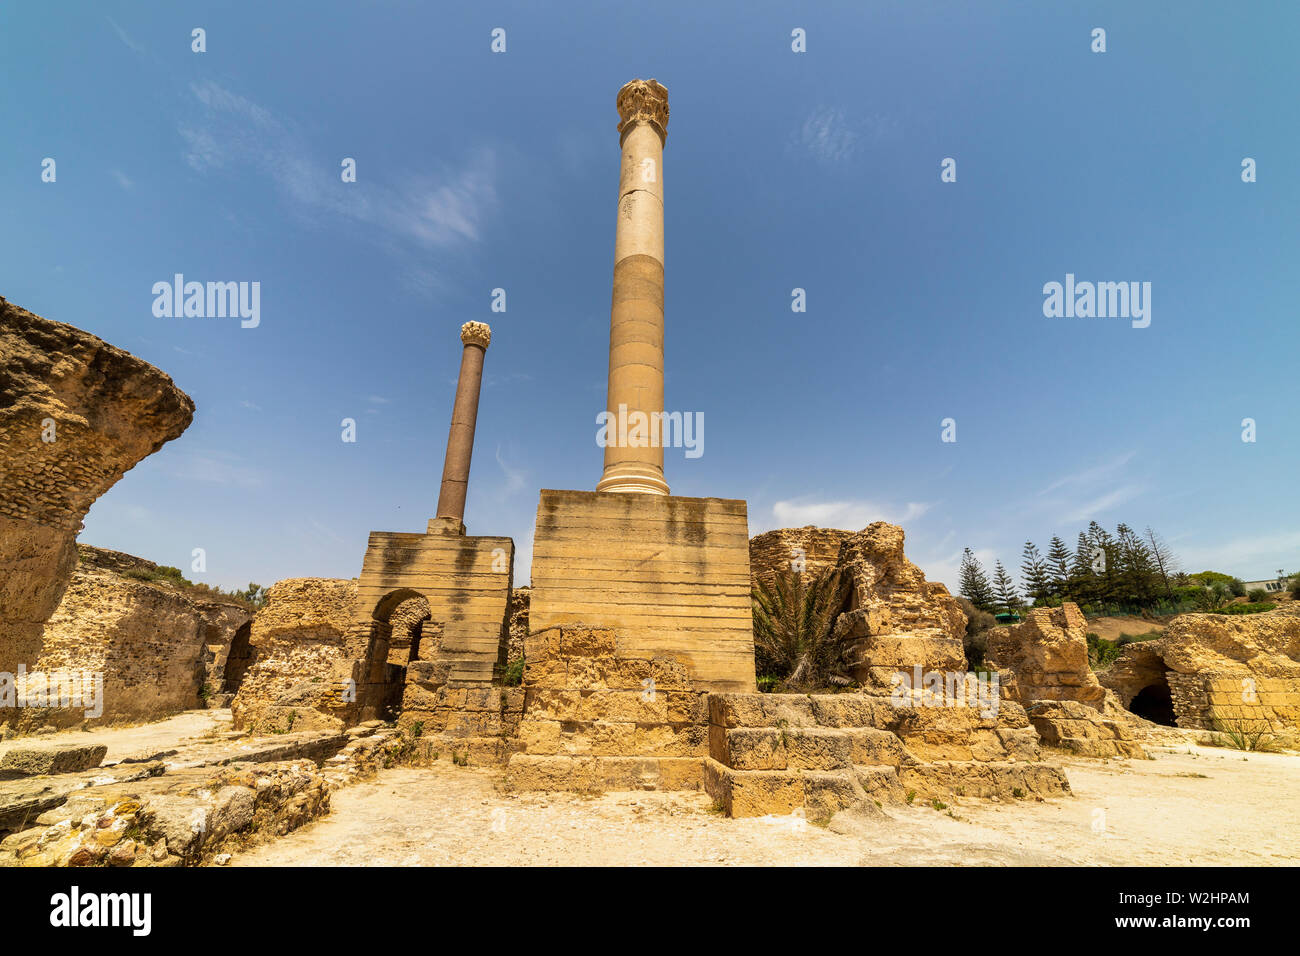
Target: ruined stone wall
1221, 669
893, 618
301, 677
105, 410
520, 601
896, 619
150, 642
1048, 653
773, 552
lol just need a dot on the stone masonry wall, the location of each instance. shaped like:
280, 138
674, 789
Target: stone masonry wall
1241, 670
105, 410
774, 552
149, 642
300, 675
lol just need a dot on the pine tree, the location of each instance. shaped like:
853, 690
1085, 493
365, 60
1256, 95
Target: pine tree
1164, 560
1108, 590
974, 583
1034, 574
1137, 570
1005, 589
1058, 562
1083, 583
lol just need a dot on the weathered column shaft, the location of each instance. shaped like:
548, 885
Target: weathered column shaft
464, 416
636, 322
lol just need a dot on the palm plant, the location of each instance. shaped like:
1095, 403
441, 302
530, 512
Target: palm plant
794, 629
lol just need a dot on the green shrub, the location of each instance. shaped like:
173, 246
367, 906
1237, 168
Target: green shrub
514, 675
1125, 639
1243, 735
1246, 608
975, 640
1101, 652
1257, 595
794, 629
159, 575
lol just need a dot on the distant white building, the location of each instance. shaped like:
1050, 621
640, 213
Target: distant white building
1272, 586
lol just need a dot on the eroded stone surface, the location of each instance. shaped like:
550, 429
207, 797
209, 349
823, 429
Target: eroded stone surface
51, 758
819, 754
158, 648
106, 410
894, 619
301, 677
1218, 671
1048, 653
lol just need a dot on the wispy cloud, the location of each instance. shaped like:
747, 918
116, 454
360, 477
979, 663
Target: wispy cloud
1091, 475
851, 515
1090, 491
832, 136
1100, 505
232, 132
216, 467
123, 179
516, 478
124, 36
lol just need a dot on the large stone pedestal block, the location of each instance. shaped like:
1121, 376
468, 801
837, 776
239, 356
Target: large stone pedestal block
669, 575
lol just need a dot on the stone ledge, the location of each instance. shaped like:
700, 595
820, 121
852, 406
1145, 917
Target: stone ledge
604, 773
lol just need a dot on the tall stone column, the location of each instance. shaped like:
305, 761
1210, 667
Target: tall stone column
636, 322
460, 439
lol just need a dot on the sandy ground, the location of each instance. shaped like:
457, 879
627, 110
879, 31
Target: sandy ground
1195, 805
138, 740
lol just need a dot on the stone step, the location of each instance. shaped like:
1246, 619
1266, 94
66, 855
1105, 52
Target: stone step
603, 773
613, 738
1100, 747
823, 793
35, 759
988, 779
805, 748
819, 794
466, 751
633, 706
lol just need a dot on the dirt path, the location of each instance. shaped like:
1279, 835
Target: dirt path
138, 740
1159, 812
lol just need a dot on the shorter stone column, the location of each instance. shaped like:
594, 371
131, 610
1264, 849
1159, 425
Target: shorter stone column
460, 439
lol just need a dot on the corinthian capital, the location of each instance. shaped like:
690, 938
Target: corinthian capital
644, 101
476, 333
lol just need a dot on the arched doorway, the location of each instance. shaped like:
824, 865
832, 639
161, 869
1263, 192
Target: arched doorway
396, 630
1155, 703
239, 659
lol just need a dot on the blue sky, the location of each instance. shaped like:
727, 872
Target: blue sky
816, 170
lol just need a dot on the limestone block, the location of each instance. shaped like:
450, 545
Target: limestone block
29, 761
668, 575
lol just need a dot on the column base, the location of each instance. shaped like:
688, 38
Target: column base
633, 482
445, 526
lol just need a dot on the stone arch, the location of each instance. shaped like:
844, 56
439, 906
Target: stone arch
404, 611
1155, 703
241, 656
406, 630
